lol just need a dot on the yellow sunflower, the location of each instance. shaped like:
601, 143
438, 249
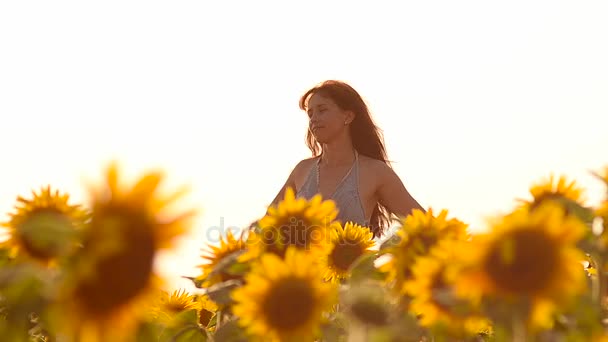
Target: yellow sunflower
283, 300
113, 275
555, 189
304, 224
419, 232
602, 175
207, 310
167, 305
44, 227
348, 243
432, 294
216, 254
527, 256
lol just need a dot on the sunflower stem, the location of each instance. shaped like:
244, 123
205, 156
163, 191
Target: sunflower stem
519, 331
218, 319
602, 290
596, 282
357, 333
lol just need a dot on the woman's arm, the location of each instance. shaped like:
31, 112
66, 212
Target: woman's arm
291, 182
393, 195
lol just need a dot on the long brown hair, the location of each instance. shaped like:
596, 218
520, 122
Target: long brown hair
366, 137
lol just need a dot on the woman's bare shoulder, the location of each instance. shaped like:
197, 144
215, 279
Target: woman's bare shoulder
372, 164
374, 169
304, 165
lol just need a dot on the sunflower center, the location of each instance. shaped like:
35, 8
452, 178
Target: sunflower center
176, 306
443, 296
125, 273
46, 233
420, 243
405, 264
524, 261
289, 303
428, 240
344, 254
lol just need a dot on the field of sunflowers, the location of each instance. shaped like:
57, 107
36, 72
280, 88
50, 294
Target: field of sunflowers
84, 272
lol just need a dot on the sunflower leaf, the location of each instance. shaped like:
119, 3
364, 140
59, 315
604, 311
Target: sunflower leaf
364, 268
220, 293
583, 213
238, 268
188, 333
224, 265
230, 332
148, 331
228, 264
198, 282
186, 317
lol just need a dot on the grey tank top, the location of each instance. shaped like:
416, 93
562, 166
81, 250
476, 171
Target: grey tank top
346, 195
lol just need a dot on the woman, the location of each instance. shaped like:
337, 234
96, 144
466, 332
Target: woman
349, 163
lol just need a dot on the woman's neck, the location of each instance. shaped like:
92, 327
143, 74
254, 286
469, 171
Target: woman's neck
338, 153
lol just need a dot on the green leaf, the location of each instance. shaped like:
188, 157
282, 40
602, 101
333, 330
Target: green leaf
230, 332
186, 317
148, 331
178, 333
572, 207
220, 293
228, 264
238, 268
363, 268
192, 334
198, 282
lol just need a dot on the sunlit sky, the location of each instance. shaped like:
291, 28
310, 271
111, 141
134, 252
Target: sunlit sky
477, 99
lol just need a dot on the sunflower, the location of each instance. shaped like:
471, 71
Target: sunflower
113, 274
419, 232
528, 256
304, 224
44, 227
603, 175
168, 306
348, 243
555, 189
208, 309
432, 293
214, 255
284, 299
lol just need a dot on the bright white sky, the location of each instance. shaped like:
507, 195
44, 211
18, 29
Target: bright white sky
477, 99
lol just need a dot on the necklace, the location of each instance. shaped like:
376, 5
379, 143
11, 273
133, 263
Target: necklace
342, 181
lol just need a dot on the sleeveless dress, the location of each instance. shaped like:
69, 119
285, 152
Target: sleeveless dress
346, 196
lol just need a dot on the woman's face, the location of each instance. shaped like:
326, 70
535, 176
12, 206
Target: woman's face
326, 119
